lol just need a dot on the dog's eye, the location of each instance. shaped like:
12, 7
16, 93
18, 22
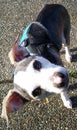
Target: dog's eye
37, 65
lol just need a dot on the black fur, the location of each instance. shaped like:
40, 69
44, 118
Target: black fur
51, 23
56, 20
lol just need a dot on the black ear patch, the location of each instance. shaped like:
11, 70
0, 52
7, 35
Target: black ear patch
37, 65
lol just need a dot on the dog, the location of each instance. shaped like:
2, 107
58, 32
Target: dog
36, 57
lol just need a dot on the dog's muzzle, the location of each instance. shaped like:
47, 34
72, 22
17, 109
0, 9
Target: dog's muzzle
60, 79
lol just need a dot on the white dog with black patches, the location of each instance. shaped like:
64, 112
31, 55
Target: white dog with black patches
37, 73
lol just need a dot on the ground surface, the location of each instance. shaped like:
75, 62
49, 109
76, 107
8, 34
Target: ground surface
14, 16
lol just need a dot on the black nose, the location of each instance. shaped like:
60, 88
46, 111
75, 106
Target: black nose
61, 79
60, 75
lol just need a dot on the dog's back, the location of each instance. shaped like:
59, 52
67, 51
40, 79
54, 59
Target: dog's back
57, 21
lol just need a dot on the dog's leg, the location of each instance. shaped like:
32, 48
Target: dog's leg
68, 55
4, 107
65, 98
66, 39
65, 43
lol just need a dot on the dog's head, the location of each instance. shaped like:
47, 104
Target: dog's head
37, 71
34, 76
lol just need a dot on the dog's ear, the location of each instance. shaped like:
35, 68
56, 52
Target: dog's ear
17, 53
38, 34
15, 102
11, 53
12, 102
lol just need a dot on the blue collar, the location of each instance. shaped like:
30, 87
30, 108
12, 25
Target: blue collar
25, 36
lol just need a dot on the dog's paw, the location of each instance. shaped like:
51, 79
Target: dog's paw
68, 104
68, 58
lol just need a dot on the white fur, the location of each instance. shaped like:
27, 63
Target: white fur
67, 102
31, 78
67, 55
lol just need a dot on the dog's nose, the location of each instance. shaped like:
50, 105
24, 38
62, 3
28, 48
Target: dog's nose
60, 79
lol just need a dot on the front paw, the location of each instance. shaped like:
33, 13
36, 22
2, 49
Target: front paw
68, 58
68, 104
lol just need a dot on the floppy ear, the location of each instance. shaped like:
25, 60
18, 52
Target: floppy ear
38, 34
17, 53
15, 102
12, 102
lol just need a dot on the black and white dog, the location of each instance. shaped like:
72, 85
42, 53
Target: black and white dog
38, 67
